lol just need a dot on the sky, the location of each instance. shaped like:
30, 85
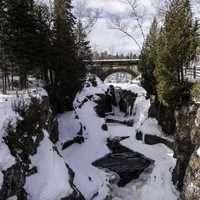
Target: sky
104, 38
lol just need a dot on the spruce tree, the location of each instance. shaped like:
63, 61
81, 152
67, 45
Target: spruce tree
44, 45
148, 58
68, 69
176, 48
4, 55
21, 36
82, 44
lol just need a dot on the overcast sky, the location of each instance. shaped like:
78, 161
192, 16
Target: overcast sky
104, 38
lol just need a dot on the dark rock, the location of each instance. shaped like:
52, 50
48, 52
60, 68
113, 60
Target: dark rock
139, 135
104, 105
76, 140
126, 102
123, 161
104, 127
164, 115
53, 130
76, 194
128, 122
154, 139
112, 93
13, 183
80, 133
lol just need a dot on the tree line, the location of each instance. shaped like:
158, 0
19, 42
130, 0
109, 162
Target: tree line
168, 50
46, 42
106, 55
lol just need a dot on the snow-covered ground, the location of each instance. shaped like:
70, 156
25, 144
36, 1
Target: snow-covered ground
88, 179
91, 181
7, 114
51, 182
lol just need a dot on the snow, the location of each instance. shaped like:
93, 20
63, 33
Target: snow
52, 180
141, 109
116, 60
69, 129
88, 179
158, 185
198, 151
8, 115
151, 127
12, 198
6, 159
155, 185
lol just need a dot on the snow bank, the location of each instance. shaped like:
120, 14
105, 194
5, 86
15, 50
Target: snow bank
51, 180
12, 198
141, 109
88, 179
151, 127
198, 151
8, 115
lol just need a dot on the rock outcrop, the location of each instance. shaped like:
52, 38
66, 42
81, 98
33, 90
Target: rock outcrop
187, 138
191, 187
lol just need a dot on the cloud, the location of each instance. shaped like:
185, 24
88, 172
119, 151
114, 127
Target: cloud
103, 38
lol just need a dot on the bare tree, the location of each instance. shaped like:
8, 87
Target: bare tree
124, 26
86, 16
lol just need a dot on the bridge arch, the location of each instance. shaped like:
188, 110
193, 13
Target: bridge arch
122, 70
104, 68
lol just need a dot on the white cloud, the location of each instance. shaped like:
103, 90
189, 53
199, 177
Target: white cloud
103, 38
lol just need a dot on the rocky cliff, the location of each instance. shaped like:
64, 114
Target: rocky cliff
187, 140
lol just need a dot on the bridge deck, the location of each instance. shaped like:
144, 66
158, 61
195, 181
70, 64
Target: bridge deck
113, 62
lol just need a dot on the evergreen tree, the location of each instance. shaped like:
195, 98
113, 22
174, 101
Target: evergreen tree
82, 44
68, 70
148, 58
44, 44
21, 36
176, 48
5, 64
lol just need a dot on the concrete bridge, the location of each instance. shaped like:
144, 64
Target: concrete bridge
104, 68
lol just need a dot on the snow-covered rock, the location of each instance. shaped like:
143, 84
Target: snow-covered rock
35, 170
51, 181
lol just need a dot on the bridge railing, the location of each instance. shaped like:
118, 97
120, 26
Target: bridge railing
192, 73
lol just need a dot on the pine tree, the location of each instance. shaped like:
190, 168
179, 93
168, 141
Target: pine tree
4, 56
82, 44
44, 45
176, 48
21, 36
68, 70
148, 58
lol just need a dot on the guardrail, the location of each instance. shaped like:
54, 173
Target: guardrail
192, 73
